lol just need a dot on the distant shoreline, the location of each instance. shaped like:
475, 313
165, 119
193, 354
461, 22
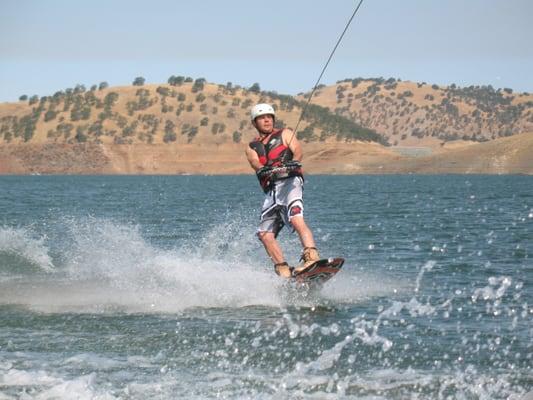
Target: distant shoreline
504, 156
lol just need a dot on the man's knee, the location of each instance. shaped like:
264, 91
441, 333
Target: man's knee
265, 236
298, 222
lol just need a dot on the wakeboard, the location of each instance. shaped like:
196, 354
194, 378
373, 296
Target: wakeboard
320, 272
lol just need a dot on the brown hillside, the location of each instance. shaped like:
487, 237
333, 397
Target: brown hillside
409, 114
192, 112
510, 155
199, 127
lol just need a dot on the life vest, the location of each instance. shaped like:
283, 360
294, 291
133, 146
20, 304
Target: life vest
274, 153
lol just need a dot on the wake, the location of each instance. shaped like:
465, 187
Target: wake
102, 266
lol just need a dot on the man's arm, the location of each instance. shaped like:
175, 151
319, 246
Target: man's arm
253, 159
294, 145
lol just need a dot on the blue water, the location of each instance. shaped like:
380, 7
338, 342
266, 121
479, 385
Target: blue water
155, 287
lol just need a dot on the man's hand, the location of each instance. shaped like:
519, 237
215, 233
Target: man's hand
292, 165
264, 172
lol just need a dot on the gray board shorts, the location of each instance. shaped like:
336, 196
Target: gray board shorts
281, 204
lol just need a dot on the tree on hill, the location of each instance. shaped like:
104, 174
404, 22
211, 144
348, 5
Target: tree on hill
110, 99
80, 137
218, 128
176, 80
307, 134
139, 81
24, 97
79, 88
198, 85
103, 85
192, 133
170, 135
163, 91
255, 88
50, 115
237, 136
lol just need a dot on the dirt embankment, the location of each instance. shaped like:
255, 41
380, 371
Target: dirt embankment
512, 155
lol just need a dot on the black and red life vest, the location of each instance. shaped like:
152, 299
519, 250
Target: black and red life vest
274, 153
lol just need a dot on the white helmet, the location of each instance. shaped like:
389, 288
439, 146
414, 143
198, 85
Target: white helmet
262, 109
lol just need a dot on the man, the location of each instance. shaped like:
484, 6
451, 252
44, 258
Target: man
275, 155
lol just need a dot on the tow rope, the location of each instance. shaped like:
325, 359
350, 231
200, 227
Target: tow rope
324, 69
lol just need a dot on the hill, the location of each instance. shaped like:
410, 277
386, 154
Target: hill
408, 113
192, 126
185, 111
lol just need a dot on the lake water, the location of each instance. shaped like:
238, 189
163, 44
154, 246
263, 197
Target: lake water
156, 287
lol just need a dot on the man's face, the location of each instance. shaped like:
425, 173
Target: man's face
264, 123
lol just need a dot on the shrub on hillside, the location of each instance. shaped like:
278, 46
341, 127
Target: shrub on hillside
96, 129
198, 85
80, 112
255, 88
81, 137
217, 128
237, 136
139, 81
176, 80
307, 134
163, 91
193, 130
246, 104
169, 137
130, 130
50, 115
110, 99
79, 89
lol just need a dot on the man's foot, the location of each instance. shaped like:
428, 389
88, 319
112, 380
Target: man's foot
283, 270
309, 257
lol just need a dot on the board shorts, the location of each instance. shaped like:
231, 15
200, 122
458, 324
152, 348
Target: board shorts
282, 203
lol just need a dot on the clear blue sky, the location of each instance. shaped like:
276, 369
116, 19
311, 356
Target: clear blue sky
50, 45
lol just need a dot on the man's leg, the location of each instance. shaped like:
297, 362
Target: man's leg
310, 253
274, 251
303, 231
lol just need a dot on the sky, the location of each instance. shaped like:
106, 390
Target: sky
51, 45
